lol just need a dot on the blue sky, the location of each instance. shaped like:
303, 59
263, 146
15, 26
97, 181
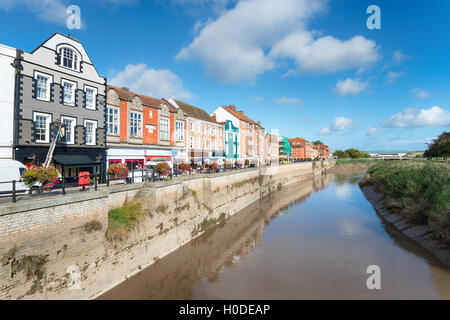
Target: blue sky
308, 68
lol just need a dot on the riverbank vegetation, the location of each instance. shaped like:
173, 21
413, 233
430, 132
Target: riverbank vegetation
417, 190
351, 153
122, 220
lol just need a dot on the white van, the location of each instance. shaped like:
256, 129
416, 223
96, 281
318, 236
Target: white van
11, 170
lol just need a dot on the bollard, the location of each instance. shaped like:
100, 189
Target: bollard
63, 190
14, 191
95, 181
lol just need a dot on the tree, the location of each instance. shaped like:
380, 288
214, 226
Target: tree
317, 142
440, 147
341, 154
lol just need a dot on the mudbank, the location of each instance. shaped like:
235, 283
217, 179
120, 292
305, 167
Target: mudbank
418, 233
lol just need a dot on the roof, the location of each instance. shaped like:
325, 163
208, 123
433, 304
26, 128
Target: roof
194, 112
238, 114
300, 140
146, 100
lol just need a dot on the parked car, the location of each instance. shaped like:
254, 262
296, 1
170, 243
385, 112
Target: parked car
12, 170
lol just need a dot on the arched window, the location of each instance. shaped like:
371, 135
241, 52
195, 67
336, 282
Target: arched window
69, 58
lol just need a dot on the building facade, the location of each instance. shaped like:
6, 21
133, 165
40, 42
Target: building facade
204, 135
7, 85
57, 81
231, 142
249, 133
284, 150
142, 130
298, 148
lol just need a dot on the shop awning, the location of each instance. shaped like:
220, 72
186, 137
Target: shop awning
75, 161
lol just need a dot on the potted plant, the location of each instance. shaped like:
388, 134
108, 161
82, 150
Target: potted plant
117, 171
162, 168
214, 167
247, 163
45, 176
184, 167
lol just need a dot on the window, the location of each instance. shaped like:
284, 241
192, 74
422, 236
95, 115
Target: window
214, 131
42, 127
198, 127
69, 58
179, 130
164, 128
204, 144
90, 131
209, 144
70, 124
191, 142
209, 130
198, 143
135, 124
204, 129
91, 98
191, 126
43, 83
68, 92
112, 120
150, 114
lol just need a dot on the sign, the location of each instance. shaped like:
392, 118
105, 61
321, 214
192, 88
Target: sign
83, 178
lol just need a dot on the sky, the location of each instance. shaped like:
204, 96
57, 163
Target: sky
309, 68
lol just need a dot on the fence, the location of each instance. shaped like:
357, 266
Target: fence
62, 184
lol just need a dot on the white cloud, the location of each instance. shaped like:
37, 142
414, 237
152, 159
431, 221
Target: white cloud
373, 131
350, 86
47, 10
411, 118
288, 101
339, 124
326, 54
399, 57
258, 99
393, 76
251, 38
158, 83
420, 93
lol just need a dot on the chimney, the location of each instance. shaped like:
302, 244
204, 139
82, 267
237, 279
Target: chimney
214, 117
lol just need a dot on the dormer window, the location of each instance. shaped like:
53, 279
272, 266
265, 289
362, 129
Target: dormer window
69, 58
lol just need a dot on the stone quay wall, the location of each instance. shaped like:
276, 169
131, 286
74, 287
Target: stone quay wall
47, 251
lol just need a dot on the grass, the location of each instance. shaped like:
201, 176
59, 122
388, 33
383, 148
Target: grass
92, 226
122, 220
418, 190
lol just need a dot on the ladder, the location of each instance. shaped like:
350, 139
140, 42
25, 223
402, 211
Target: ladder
49, 158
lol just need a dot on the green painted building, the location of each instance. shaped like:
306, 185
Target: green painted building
231, 141
285, 149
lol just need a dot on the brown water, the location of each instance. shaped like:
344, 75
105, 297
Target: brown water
314, 241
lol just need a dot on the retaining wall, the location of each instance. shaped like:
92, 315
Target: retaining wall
71, 262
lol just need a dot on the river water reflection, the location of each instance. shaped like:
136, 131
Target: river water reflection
312, 241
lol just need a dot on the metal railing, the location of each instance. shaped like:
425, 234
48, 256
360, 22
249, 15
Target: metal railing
62, 185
